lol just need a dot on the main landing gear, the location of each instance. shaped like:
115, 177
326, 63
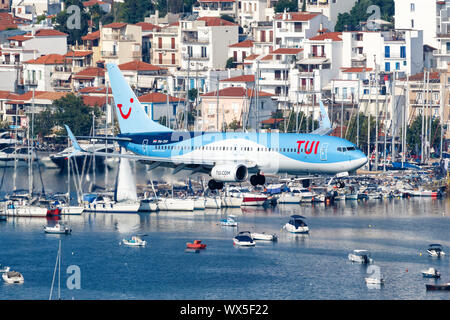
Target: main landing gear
214, 185
257, 179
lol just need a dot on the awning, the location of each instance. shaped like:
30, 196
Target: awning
313, 61
61, 76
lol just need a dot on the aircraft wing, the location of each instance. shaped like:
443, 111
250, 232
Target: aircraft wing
324, 122
175, 160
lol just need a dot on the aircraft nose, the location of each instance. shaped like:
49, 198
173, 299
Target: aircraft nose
361, 159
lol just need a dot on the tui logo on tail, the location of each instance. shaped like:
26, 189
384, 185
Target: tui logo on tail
124, 116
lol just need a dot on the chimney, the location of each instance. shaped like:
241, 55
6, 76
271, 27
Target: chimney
156, 16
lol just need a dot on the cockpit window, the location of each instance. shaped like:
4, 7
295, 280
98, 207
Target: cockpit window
341, 149
351, 148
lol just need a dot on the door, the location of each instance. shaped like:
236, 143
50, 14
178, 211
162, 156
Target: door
324, 152
144, 146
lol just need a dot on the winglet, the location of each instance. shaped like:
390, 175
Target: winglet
74, 141
324, 123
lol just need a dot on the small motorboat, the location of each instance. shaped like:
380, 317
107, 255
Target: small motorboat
135, 241
263, 236
58, 228
13, 277
360, 256
375, 280
4, 269
244, 239
230, 221
3, 218
196, 245
435, 250
432, 287
431, 273
296, 225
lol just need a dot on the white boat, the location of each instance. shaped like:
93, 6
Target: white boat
248, 198
3, 217
15, 209
307, 195
103, 204
339, 197
290, 197
4, 269
296, 225
231, 201
360, 256
263, 236
71, 210
135, 241
435, 250
175, 204
230, 221
58, 228
199, 203
375, 280
213, 202
149, 204
21, 154
244, 239
431, 273
13, 277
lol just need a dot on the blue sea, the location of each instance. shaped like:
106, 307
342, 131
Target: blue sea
297, 267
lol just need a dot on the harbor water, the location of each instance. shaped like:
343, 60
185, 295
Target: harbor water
397, 232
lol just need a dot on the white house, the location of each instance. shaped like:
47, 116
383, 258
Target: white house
205, 42
329, 8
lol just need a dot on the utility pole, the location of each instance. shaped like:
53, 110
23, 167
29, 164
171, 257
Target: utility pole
342, 115
376, 116
256, 95
393, 116
217, 108
187, 95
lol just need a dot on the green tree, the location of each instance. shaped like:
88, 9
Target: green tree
44, 122
351, 20
414, 133
352, 132
192, 93
230, 63
72, 111
234, 125
64, 17
289, 5
134, 11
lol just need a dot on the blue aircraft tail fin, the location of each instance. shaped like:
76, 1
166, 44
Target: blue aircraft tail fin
324, 123
76, 146
130, 113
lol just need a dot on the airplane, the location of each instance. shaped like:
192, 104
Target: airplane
225, 156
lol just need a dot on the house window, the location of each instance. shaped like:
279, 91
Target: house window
412, 23
397, 66
413, 7
387, 66
402, 52
387, 52
203, 52
448, 46
189, 49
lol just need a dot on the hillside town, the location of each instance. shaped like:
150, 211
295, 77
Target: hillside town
239, 65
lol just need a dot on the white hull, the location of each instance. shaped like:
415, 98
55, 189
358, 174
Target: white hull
112, 207
134, 244
18, 279
358, 259
351, 197
173, 204
57, 231
319, 198
263, 236
72, 210
148, 206
290, 228
26, 211
231, 202
199, 203
213, 203
253, 200
243, 243
287, 198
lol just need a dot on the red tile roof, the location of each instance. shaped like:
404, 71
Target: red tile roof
146, 26
115, 25
272, 121
287, 51
157, 97
90, 73
334, 36
93, 2
268, 57
139, 65
92, 36
242, 44
78, 53
236, 92
48, 59
356, 69
243, 78
216, 0
216, 22
94, 90
251, 57
21, 37
49, 33
419, 76
98, 101
297, 16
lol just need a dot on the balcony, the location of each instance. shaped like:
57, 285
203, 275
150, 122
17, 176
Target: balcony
165, 47
197, 58
118, 37
109, 54
192, 40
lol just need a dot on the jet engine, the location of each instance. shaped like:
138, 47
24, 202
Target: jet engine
229, 172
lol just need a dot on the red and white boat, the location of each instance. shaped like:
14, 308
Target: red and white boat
249, 198
196, 245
